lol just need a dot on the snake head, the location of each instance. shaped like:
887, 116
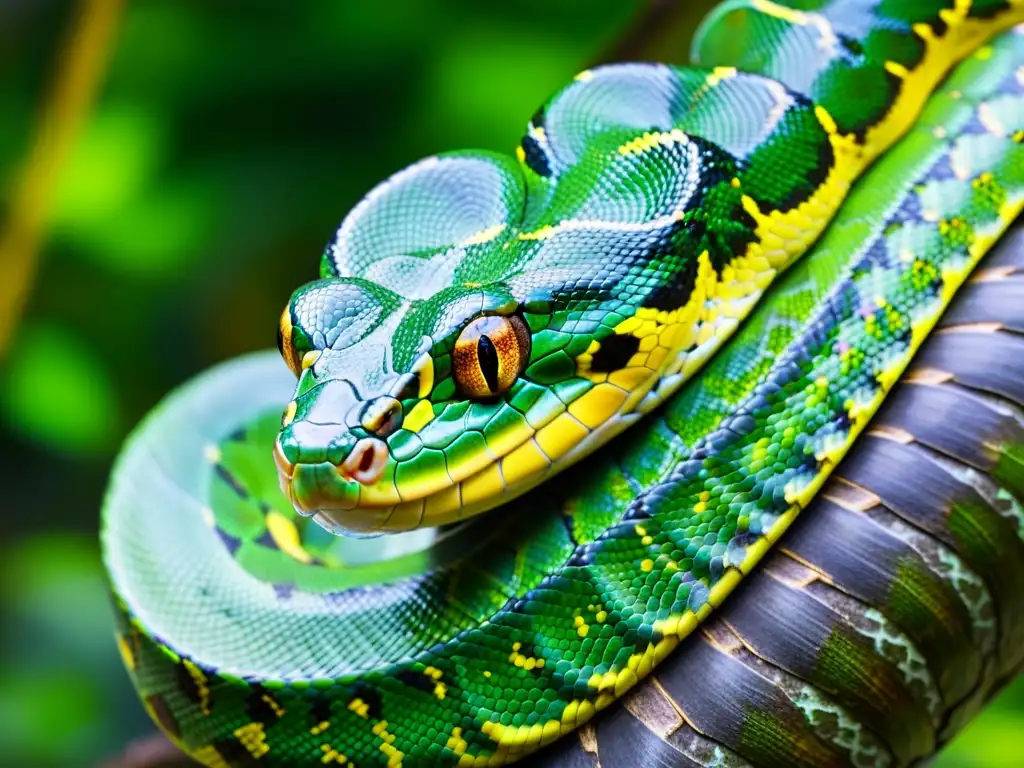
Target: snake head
483, 322
388, 421
434, 374
454, 354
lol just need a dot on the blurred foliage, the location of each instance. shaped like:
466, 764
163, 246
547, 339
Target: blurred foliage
995, 739
226, 143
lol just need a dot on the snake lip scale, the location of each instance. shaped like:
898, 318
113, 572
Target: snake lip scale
709, 278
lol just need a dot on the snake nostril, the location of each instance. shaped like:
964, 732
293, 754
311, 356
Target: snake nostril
366, 461
382, 416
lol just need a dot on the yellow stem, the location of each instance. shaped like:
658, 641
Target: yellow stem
60, 120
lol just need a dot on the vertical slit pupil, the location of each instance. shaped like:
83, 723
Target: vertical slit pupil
487, 356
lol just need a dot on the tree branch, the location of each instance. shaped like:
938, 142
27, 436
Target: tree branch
154, 751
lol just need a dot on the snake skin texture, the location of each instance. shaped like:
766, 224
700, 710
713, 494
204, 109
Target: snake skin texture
255, 639
889, 614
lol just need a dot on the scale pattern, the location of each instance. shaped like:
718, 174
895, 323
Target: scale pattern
251, 639
649, 209
887, 616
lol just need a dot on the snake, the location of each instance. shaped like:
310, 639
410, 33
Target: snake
420, 562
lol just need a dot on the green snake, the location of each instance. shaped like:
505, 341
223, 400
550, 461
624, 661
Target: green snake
481, 324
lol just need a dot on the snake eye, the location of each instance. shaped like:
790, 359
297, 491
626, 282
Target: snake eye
489, 355
285, 344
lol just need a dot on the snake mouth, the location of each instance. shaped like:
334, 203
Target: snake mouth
359, 496
285, 469
362, 496
354, 482
416, 479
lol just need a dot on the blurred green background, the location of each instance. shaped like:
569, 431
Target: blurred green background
222, 145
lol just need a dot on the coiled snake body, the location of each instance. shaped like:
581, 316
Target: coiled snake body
482, 324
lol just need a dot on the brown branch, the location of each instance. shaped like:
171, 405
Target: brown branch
154, 751
60, 121
660, 32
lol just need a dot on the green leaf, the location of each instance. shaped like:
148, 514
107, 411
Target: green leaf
994, 740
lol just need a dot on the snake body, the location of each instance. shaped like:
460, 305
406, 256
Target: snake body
650, 209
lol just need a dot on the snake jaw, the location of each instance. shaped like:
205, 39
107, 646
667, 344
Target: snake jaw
285, 468
334, 486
